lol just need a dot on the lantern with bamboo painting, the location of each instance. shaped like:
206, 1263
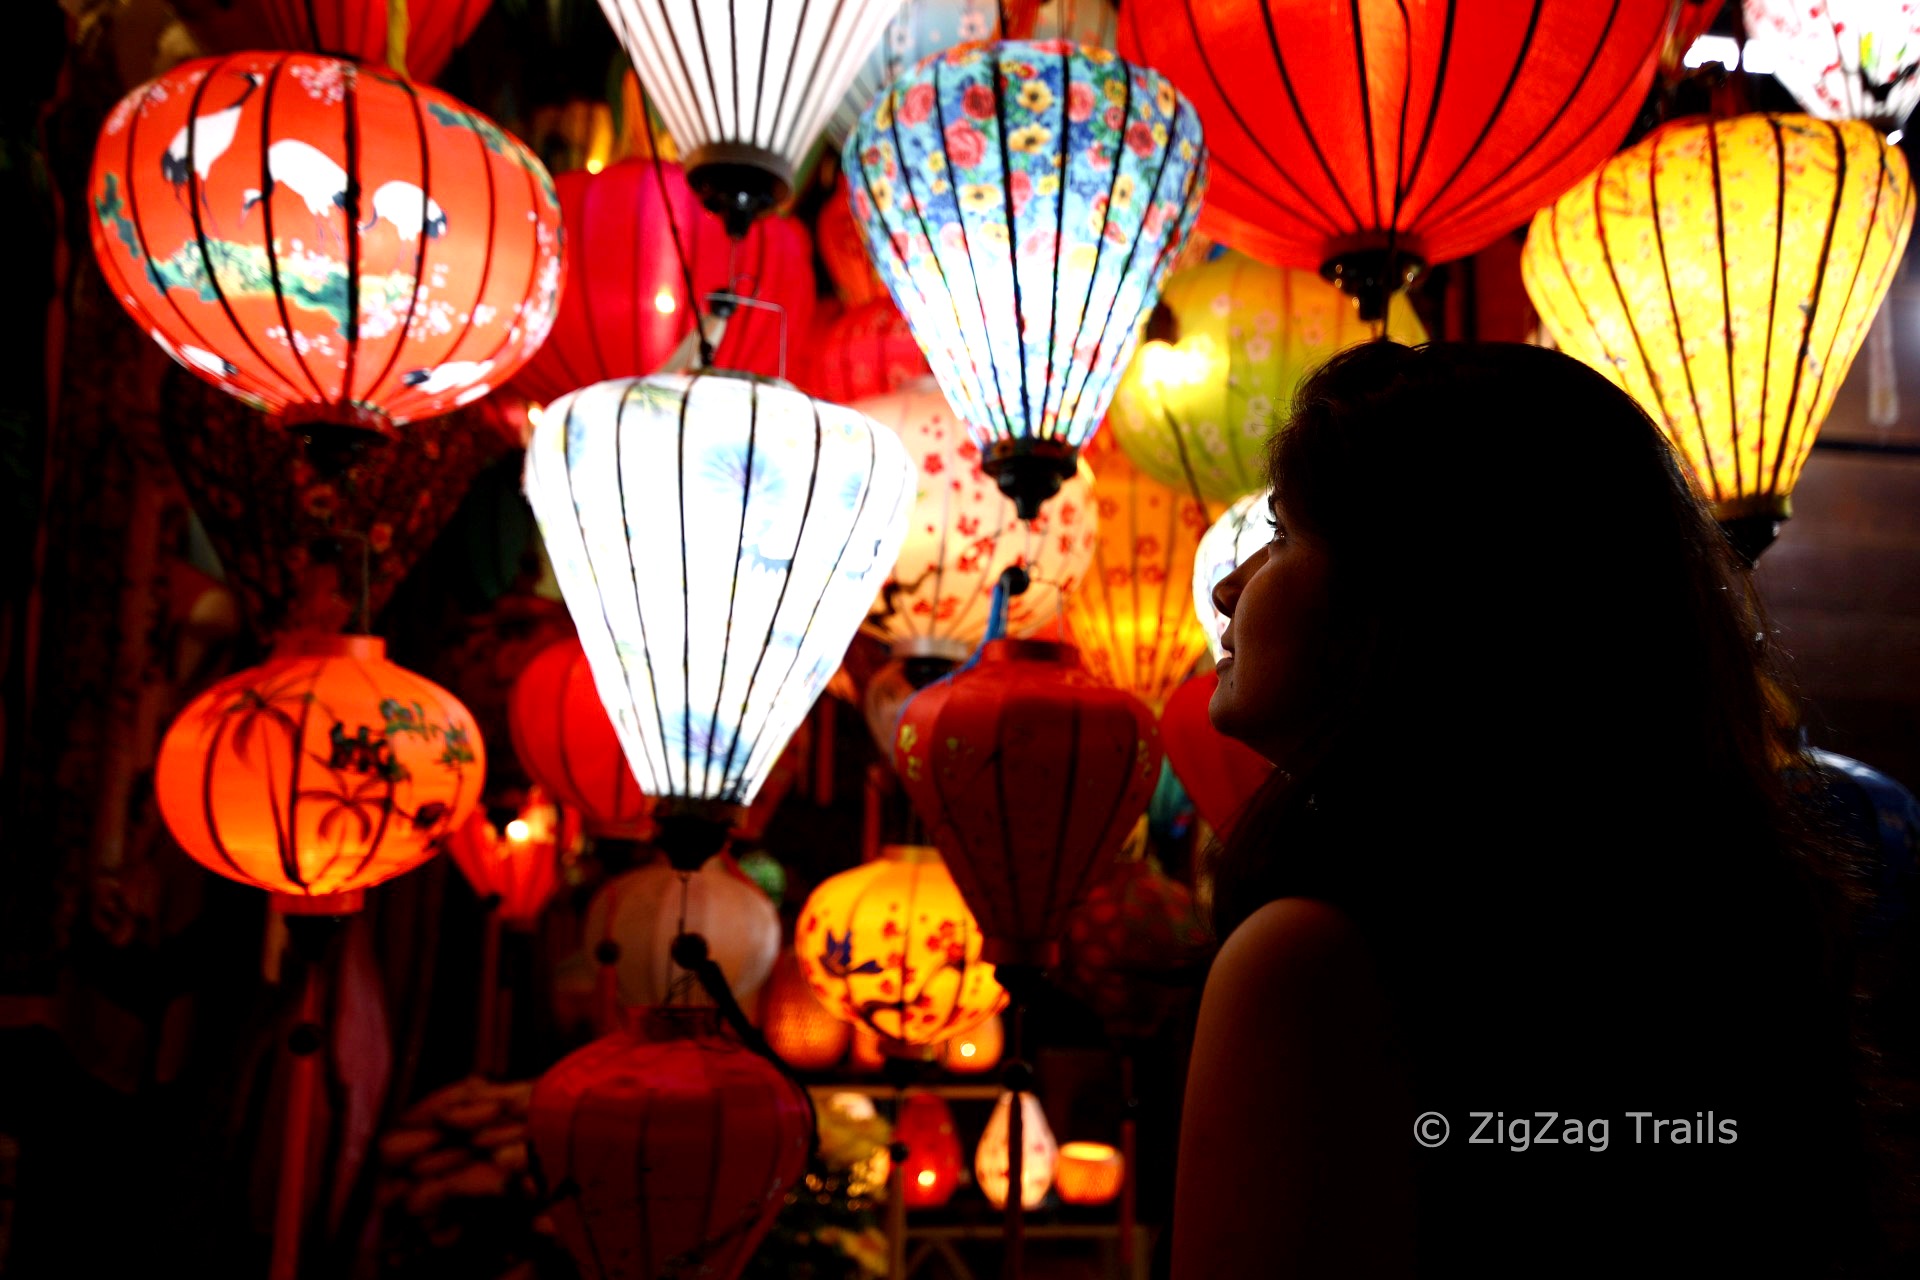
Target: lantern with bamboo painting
797, 1026
991, 1163
320, 773
890, 945
1023, 201
667, 1148
365, 30
1367, 140
1724, 273
566, 743
934, 1160
283, 225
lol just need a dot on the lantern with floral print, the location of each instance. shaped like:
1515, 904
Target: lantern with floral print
667, 1148
565, 742
363, 29
920, 30
1129, 941
1130, 616
1221, 774
991, 1165
630, 227
934, 1159
285, 226
1843, 59
1235, 338
320, 773
1023, 202
859, 352
964, 533
891, 946
1228, 541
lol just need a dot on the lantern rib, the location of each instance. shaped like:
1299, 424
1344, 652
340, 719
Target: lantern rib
1087, 868
421, 242
664, 780
1726, 308
719, 1235
1059, 234
706, 63
760, 79
1013, 262
1812, 309
1673, 312
289, 837
266, 215
906, 932
1412, 175
1620, 293
387, 804
733, 596
569, 1189
1009, 861
207, 814
1306, 129
1401, 182
1366, 101
1099, 255
1773, 300
1061, 842
355, 189
686, 590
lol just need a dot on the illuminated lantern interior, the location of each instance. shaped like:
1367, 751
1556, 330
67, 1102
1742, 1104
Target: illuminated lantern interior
990, 1162
934, 1160
975, 1052
1089, 1173
516, 866
1228, 541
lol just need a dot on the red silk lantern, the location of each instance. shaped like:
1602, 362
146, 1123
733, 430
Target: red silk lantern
1370, 139
325, 240
321, 772
934, 1158
860, 352
566, 743
668, 1148
1030, 773
797, 1026
1135, 927
844, 249
1220, 773
625, 307
519, 866
359, 29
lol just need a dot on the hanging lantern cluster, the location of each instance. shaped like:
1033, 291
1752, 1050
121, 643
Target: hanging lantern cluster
636, 235
718, 540
634, 918
1023, 202
964, 533
1368, 140
284, 226
1201, 398
1843, 59
1725, 272
566, 743
518, 866
891, 946
320, 773
365, 30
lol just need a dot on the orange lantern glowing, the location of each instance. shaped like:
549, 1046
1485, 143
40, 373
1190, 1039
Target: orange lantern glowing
566, 743
975, 1052
321, 772
325, 240
892, 947
934, 1159
1088, 1173
865, 1055
518, 867
1040, 1153
797, 1026
363, 29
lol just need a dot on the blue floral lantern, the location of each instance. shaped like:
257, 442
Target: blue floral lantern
1023, 202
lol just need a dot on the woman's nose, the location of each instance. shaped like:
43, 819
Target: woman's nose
1226, 592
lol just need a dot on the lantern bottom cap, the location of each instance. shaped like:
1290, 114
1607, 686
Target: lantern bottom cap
1371, 276
319, 904
738, 181
1750, 535
690, 831
1030, 469
941, 649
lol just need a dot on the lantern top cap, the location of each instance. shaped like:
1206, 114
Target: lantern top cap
320, 644
1030, 651
912, 854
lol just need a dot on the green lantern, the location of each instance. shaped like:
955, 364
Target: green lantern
1224, 353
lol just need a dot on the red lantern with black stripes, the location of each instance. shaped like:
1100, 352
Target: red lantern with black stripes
566, 743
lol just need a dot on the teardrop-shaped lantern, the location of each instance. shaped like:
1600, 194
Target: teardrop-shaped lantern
1724, 273
891, 946
325, 240
1030, 773
642, 911
746, 86
1842, 59
1199, 402
361, 29
1023, 201
1221, 774
625, 306
964, 533
991, 1166
718, 540
322, 772
1228, 541
666, 1149
1366, 140
566, 743
934, 1160
517, 867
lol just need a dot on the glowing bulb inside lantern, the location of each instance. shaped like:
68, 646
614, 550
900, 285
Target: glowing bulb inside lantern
663, 302
1164, 365
595, 165
927, 1178
535, 415
968, 1049
519, 830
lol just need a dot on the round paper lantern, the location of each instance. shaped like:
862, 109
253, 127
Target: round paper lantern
625, 307
920, 30
519, 867
1220, 773
325, 240
1843, 59
745, 86
990, 1159
1196, 406
964, 533
1134, 929
718, 540
934, 1160
1088, 1173
1030, 773
797, 1026
667, 1149
1244, 529
642, 911
861, 352
1023, 202
890, 945
1130, 616
359, 29
1366, 140
975, 1052
320, 773
1724, 272
566, 743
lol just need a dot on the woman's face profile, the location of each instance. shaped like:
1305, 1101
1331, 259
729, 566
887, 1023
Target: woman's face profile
1276, 668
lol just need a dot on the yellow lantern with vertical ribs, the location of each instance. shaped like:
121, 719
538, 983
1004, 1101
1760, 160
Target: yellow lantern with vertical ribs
1724, 272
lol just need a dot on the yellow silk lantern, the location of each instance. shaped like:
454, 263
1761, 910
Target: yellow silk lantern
1132, 617
1089, 1173
1724, 272
890, 946
975, 1052
797, 1026
1040, 1153
1197, 404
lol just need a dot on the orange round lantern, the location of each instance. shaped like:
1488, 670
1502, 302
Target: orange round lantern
975, 1052
519, 867
361, 29
1088, 1173
320, 773
325, 240
892, 947
566, 743
934, 1158
797, 1026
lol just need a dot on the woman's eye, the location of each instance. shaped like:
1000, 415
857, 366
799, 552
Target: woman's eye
1279, 534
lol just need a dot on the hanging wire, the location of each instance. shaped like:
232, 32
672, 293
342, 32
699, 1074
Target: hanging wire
362, 621
673, 223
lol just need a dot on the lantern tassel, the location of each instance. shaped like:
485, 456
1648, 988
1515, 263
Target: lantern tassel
397, 36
